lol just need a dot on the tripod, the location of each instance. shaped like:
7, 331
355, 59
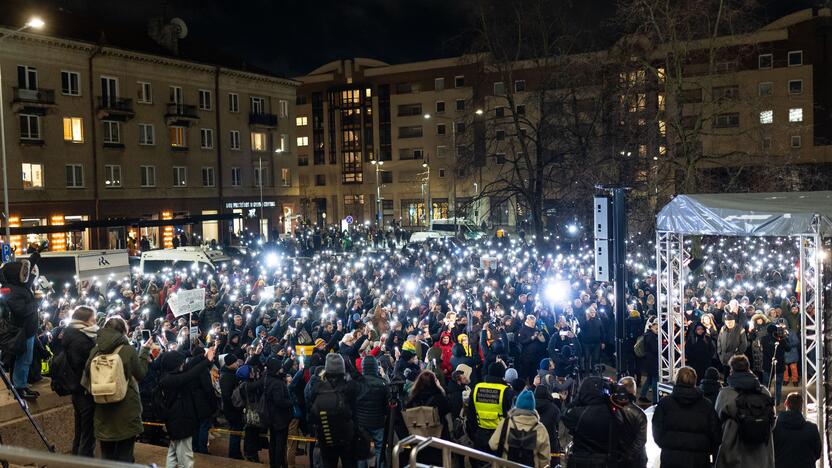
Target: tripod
773, 367
25, 407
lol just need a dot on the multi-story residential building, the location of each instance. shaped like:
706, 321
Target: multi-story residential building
97, 132
761, 106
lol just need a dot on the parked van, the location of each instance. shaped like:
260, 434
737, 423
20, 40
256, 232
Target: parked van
154, 261
61, 268
470, 230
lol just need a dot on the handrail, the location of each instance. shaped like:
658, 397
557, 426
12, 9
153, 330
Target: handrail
447, 448
24, 456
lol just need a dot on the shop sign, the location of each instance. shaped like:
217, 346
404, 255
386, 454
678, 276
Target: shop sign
251, 204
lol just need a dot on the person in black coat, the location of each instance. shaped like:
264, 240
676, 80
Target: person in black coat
651, 361
591, 423
181, 420
279, 410
592, 340
699, 350
796, 441
549, 412
427, 391
234, 415
710, 385
633, 328
371, 405
204, 400
16, 278
685, 425
78, 339
775, 344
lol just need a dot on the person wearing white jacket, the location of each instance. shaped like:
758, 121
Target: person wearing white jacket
522, 417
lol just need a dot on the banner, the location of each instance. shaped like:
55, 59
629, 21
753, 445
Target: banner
187, 301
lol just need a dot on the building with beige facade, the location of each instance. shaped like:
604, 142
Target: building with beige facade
100, 132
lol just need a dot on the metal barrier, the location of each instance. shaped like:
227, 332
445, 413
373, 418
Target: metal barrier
448, 449
24, 456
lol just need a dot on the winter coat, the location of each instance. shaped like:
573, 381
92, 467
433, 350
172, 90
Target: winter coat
686, 428
278, 401
16, 278
181, 418
549, 413
77, 347
733, 453
796, 441
524, 420
447, 352
121, 420
371, 405
228, 382
651, 353
730, 343
793, 353
699, 350
590, 422
631, 451
710, 389
592, 332
767, 343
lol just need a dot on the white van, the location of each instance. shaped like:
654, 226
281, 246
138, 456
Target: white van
452, 225
154, 261
60, 268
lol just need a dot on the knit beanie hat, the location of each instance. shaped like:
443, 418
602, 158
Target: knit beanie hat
711, 373
369, 366
525, 400
497, 369
334, 364
172, 361
510, 375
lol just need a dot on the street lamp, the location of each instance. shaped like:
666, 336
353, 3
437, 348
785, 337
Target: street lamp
428, 206
379, 213
33, 23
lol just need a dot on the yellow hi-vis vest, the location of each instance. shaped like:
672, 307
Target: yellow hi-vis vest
488, 404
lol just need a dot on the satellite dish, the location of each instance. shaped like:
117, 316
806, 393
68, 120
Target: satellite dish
181, 27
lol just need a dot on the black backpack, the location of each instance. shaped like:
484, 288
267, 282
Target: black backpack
331, 416
64, 379
755, 416
521, 444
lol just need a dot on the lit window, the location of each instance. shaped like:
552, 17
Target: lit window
661, 102
796, 114
662, 128
284, 143
258, 141
285, 177
178, 137
32, 175
767, 117
303, 141
301, 121
74, 129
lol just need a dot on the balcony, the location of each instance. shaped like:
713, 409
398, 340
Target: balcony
115, 108
33, 100
181, 114
260, 119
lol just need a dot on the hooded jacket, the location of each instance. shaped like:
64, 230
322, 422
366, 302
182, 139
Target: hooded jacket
796, 441
181, 418
16, 277
121, 420
686, 428
524, 420
733, 452
447, 353
549, 412
590, 422
77, 347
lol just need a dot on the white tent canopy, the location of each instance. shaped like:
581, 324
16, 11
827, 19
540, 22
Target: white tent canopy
748, 214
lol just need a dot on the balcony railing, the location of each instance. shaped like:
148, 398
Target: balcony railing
263, 119
115, 104
182, 111
38, 96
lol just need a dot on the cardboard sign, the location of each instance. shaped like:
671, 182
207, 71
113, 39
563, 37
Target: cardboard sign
187, 301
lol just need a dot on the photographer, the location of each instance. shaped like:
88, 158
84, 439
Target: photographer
775, 344
591, 423
17, 278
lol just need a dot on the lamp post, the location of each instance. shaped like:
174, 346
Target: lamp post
428, 207
379, 213
33, 23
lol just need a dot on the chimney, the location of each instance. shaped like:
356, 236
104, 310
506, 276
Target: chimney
164, 33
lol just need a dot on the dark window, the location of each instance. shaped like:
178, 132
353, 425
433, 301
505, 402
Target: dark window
386, 177
795, 86
303, 160
459, 81
500, 112
460, 128
440, 107
300, 100
320, 180
410, 132
726, 93
500, 158
520, 86
500, 135
795, 58
440, 129
460, 104
521, 110
407, 110
727, 120
691, 96
765, 61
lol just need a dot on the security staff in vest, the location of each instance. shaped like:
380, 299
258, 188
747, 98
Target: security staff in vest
488, 404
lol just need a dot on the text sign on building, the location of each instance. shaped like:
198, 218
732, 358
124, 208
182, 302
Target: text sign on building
187, 301
252, 204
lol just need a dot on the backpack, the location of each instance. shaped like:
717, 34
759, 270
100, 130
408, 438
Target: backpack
519, 445
64, 379
755, 414
108, 384
423, 421
255, 414
638, 348
331, 416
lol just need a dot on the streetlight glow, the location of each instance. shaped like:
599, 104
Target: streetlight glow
479, 112
427, 116
35, 23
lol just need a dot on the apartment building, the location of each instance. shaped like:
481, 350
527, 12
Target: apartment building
96, 132
765, 109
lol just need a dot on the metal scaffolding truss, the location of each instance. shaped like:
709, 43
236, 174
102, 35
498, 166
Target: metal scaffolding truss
810, 277
671, 258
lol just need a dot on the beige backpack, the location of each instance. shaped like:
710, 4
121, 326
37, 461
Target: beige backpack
423, 421
108, 384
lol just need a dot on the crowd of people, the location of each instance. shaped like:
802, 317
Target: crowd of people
497, 344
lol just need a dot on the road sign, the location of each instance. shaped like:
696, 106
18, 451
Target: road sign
349, 219
7, 253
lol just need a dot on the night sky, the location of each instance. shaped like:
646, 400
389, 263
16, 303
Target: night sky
294, 37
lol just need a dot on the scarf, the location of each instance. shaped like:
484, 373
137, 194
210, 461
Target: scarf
89, 330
